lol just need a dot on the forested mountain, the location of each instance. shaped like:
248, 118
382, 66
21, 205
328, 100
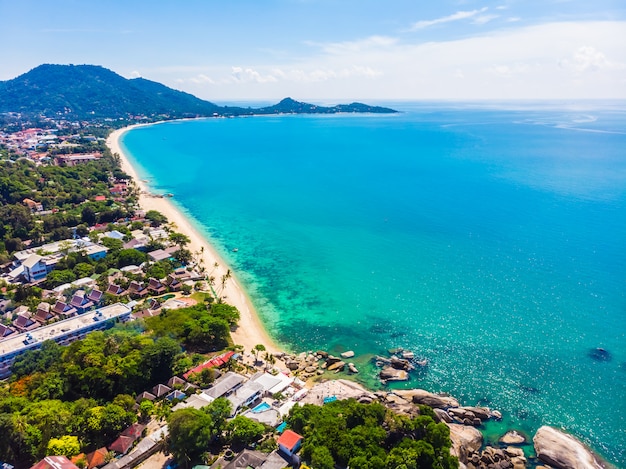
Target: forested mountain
94, 92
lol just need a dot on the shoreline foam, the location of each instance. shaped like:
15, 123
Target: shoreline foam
250, 330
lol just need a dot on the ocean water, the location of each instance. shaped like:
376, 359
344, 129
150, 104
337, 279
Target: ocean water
490, 240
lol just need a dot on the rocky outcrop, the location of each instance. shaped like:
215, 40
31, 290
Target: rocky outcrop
389, 373
465, 441
420, 396
561, 450
348, 354
352, 368
337, 366
513, 438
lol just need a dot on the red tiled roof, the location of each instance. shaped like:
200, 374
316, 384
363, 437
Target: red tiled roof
212, 363
122, 444
97, 457
134, 431
54, 462
289, 439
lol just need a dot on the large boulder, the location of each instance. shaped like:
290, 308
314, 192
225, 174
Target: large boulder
465, 441
560, 450
389, 373
420, 396
337, 366
513, 437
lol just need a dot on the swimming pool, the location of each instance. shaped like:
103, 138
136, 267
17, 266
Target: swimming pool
262, 407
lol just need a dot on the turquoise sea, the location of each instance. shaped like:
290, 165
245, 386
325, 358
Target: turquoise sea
490, 239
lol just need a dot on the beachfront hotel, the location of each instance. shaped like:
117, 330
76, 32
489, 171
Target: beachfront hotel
62, 332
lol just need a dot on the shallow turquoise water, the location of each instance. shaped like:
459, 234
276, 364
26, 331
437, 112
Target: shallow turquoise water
491, 241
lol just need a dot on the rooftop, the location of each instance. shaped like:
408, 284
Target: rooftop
57, 329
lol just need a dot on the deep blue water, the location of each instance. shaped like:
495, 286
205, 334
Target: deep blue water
489, 240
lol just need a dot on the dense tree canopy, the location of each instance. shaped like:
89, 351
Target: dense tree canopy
346, 433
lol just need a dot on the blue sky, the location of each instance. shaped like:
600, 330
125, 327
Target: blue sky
332, 50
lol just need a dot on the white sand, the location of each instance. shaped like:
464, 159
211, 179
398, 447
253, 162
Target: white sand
250, 331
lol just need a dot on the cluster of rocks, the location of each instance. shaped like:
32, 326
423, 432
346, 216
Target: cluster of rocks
553, 447
398, 366
307, 365
497, 458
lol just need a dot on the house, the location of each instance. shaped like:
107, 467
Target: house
137, 244
160, 390
54, 462
255, 459
24, 322
114, 289
225, 385
63, 309
122, 444
44, 313
97, 458
212, 363
5, 331
289, 442
159, 255
173, 283
137, 289
176, 381
145, 395
176, 394
34, 268
244, 396
134, 431
32, 205
155, 286
81, 302
95, 296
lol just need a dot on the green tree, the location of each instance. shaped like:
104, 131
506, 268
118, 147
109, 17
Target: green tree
156, 218
243, 431
190, 434
322, 459
67, 445
256, 349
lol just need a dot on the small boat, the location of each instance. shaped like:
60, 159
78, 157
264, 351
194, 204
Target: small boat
235, 249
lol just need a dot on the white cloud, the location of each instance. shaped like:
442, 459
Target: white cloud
484, 19
248, 75
459, 15
135, 74
202, 79
560, 60
587, 58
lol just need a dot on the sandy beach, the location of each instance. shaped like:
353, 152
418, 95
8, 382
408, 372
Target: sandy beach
250, 331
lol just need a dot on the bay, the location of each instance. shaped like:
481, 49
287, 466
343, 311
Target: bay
490, 239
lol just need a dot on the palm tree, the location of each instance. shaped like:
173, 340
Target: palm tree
256, 349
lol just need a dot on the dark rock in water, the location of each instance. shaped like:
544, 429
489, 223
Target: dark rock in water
600, 355
529, 389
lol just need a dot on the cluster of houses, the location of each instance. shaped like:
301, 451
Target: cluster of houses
249, 396
33, 143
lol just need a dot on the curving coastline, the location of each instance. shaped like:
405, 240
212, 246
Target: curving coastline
250, 331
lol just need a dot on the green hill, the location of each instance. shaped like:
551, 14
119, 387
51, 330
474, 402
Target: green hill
94, 92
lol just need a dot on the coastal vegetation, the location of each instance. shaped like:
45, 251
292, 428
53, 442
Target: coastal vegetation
347, 433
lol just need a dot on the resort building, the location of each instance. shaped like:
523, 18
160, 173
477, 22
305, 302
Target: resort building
62, 332
36, 263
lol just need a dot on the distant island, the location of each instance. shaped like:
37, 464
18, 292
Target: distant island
92, 93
